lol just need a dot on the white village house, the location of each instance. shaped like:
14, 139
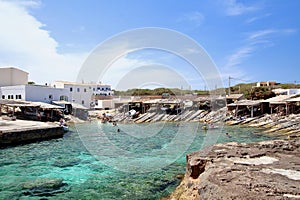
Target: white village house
86, 94
14, 86
10, 76
37, 93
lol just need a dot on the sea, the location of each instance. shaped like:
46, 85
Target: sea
106, 161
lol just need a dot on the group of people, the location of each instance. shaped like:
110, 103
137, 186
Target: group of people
208, 126
115, 124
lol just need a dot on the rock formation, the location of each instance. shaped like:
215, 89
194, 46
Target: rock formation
264, 170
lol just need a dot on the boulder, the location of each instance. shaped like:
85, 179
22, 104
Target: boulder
44, 187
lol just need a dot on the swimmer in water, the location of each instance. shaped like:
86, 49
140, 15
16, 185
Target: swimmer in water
227, 134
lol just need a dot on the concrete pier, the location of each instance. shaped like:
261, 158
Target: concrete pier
23, 131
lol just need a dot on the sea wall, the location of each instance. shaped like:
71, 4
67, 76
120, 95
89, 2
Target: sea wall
264, 170
19, 136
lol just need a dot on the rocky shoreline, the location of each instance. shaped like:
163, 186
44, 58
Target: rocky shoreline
284, 125
287, 125
263, 170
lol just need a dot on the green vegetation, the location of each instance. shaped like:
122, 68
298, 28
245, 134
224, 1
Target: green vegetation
289, 85
158, 91
248, 89
252, 92
261, 93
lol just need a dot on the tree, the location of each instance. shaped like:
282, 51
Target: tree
261, 93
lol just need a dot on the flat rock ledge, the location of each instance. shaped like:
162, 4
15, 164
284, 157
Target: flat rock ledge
263, 170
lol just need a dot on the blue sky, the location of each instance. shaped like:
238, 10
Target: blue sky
247, 40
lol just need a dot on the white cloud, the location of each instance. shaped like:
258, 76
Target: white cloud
253, 19
196, 18
26, 44
79, 29
261, 34
254, 41
234, 8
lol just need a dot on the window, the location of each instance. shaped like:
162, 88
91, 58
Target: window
94, 89
84, 90
50, 96
71, 89
82, 102
3, 96
78, 89
18, 96
63, 98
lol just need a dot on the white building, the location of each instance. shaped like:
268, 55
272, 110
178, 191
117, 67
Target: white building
85, 94
292, 91
34, 93
266, 84
12, 76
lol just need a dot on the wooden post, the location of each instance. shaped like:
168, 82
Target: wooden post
36, 114
271, 109
51, 117
252, 111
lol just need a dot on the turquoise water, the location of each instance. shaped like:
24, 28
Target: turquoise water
147, 169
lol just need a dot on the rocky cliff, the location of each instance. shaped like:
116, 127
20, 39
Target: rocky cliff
264, 170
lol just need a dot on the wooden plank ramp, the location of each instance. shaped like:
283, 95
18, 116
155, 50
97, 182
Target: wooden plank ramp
193, 116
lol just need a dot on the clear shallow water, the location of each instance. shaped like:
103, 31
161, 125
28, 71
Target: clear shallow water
85, 177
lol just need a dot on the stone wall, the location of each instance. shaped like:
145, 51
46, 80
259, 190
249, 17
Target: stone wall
8, 138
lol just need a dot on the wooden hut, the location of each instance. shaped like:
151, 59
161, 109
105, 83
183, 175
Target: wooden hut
234, 97
31, 110
293, 105
246, 107
278, 104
